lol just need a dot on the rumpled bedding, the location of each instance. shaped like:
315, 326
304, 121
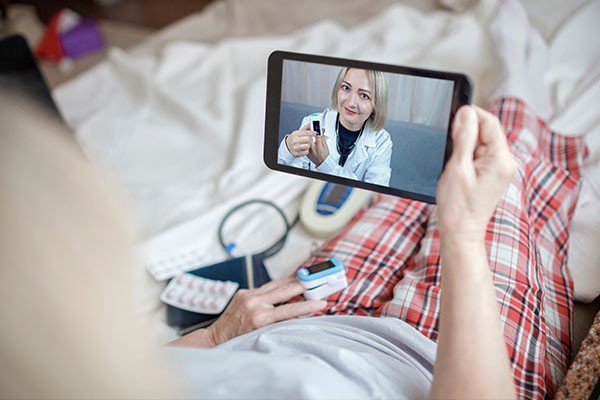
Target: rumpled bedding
179, 121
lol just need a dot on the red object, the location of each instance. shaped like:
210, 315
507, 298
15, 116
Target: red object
49, 47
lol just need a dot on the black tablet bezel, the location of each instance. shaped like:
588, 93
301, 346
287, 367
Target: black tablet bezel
461, 95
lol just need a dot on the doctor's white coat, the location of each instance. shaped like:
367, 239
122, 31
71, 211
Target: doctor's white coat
368, 162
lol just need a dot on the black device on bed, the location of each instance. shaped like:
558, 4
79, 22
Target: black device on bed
20, 74
421, 105
248, 271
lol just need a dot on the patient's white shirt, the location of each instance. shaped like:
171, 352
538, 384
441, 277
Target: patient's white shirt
320, 357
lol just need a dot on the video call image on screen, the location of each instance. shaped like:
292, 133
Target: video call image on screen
390, 129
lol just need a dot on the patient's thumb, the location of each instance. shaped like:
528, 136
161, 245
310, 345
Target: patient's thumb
464, 134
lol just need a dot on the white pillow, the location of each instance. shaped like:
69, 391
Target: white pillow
584, 240
573, 77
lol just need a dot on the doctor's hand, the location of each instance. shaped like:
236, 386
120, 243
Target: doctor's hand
475, 176
319, 151
300, 141
255, 308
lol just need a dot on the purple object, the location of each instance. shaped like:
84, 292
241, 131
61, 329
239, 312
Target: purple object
82, 39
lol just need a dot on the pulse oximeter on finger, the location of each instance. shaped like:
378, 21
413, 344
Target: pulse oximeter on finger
321, 280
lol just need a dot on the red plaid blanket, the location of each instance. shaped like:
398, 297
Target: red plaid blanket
392, 255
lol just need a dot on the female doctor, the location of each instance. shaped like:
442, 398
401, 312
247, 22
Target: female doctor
353, 143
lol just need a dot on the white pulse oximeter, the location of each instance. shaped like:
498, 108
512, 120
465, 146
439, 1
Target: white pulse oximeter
321, 280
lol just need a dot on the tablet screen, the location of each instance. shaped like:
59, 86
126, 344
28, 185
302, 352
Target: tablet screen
382, 128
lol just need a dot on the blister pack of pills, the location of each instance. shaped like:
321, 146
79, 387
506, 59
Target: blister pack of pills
192, 293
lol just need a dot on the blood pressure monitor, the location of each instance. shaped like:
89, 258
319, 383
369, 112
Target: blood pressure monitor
321, 280
327, 207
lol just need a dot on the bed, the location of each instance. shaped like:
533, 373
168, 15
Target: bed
178, 118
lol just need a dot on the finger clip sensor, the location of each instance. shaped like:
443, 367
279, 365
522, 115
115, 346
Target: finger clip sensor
322, 279
315, 124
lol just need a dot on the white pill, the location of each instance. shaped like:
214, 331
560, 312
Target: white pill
212, 304
198, 301
223, 289
208, 285
185, 297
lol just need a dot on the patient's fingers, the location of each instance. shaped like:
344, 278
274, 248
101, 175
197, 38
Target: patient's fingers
493, 144
269, 286
464, 135
288, 289
255, 308
294, 310
476, 175
490, 130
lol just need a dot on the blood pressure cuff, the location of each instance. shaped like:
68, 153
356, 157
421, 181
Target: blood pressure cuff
249, 271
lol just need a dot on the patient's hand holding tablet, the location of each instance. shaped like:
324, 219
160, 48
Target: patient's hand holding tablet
374, 126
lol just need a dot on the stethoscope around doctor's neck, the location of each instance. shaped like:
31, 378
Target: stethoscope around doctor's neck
343, 149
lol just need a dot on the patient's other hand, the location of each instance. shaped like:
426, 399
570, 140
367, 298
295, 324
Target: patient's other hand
475, 177
255, 308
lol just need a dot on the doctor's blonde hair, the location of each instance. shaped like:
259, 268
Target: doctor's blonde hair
379, 98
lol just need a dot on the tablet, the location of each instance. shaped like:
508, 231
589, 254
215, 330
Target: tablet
379, 127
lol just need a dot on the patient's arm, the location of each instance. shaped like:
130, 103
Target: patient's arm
472, 359
197, 338
253, 309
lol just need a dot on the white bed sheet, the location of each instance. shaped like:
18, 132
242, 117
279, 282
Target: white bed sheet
179, 119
